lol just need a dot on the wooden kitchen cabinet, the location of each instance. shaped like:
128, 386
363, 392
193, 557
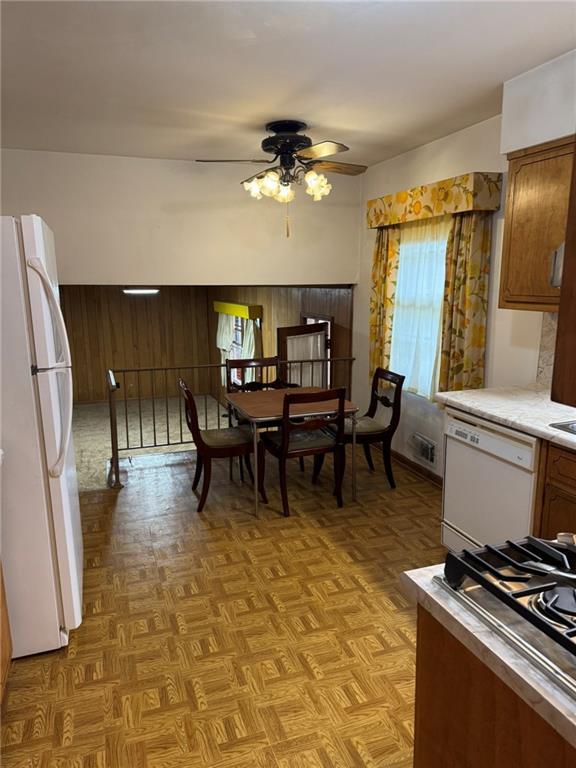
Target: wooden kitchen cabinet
535, 224
466, 717
559, 503
558, 513
564, 376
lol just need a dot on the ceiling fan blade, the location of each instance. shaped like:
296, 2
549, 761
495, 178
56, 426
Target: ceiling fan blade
323, 149
259, 174
235, 161
349, 169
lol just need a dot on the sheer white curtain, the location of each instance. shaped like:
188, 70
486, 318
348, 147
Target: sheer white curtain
416, 325
248, 347
224, 338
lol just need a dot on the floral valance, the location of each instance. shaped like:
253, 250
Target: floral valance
475, 191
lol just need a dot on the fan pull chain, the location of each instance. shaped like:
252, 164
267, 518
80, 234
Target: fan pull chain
287, 220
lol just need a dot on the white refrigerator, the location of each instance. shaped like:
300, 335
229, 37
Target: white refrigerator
41, 534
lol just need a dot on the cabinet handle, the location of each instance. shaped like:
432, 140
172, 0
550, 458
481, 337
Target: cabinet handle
556, 266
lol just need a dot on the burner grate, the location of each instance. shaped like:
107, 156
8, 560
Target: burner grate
544, 568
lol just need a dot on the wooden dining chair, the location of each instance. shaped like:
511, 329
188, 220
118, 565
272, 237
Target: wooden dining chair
386, 391
261, 382
313, 436
214, 444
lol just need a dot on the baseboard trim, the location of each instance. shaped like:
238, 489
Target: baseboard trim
418, 469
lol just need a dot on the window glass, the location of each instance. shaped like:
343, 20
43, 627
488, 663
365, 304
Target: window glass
236, 348
417, 319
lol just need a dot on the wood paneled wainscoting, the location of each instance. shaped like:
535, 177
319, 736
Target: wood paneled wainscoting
283, 306
177, 327
109, 329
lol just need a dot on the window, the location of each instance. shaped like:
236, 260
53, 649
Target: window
236, 348
323, 371
416, 325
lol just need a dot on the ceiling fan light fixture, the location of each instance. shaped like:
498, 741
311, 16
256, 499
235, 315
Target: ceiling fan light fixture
297, 161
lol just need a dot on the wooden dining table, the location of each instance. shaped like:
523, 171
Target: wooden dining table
262, 408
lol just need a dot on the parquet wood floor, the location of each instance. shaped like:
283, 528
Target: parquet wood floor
224, 641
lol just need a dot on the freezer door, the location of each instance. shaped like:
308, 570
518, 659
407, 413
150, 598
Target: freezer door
55, 390
49, 331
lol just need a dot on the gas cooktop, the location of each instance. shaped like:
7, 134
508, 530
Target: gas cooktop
536, 578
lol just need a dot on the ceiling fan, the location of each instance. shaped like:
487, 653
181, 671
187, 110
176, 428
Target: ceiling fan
297, 160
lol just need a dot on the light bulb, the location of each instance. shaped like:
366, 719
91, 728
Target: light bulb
254, 188
270, 184
285, 194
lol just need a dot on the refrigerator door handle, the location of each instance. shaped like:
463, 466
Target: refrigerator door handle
58, 467
38, 267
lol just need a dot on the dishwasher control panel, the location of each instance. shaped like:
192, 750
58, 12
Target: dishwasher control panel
463, 432
512, 447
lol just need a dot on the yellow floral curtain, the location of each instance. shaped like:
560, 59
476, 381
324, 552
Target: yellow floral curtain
465, 302
476, 191
384, 280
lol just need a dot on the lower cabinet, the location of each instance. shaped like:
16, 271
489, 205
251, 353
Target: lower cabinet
559, 502
558, 512
466, 717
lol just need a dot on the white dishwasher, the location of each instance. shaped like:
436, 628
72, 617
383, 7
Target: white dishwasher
490, 477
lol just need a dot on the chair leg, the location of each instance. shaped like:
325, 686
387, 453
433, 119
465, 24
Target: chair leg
249, 467
205, 484
198, 471
368, 455
261, 470
318, 462
231, 468
301, 462
339, 474
241, 469
283, 487
387, 457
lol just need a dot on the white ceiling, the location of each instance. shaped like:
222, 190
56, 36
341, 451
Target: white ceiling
200, 79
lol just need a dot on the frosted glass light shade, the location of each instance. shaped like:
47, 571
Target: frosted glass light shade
270, 184
317, 185
285, 194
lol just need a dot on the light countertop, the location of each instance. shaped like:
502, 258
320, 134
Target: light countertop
554, 704
527, 409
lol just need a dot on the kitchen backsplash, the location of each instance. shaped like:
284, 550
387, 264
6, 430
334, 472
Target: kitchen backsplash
547, 346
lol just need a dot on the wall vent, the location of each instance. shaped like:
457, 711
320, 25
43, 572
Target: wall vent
423, 448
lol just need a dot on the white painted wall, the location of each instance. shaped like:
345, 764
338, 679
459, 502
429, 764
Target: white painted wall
121, 220
137, 221
540, 105
513, 336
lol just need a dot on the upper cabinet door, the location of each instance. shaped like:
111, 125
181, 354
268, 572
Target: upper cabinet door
535, 225
564, 377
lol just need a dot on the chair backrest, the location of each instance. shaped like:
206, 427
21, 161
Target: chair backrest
261, 381
326, 415
394, 381
191, 414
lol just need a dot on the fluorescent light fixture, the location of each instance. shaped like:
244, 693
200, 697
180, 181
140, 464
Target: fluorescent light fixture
140, 291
